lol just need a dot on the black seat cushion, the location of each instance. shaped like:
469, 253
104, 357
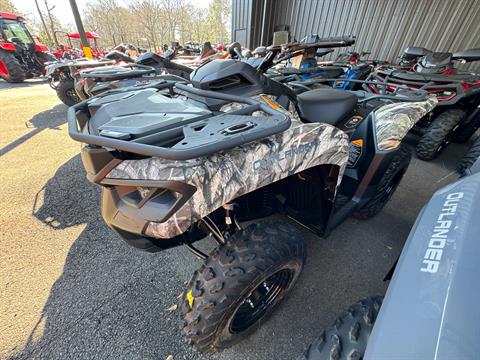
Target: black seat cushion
331, 72
119, 56
467, 55
326, 105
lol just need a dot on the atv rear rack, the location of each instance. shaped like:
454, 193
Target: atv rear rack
431, 83
109, 73
199, 136
399, 93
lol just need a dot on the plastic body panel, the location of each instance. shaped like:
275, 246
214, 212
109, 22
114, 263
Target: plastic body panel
431, 307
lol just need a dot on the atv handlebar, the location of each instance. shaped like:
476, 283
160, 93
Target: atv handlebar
293, 49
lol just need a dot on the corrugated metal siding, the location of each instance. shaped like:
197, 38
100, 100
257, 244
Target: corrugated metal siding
384, 27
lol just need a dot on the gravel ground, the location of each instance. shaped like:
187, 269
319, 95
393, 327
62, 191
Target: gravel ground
71, 289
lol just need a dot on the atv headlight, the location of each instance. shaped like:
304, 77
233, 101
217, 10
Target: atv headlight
137, 196
153, 201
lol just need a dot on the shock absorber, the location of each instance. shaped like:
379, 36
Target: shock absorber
230, 219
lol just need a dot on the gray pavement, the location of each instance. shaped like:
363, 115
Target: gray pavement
69, 288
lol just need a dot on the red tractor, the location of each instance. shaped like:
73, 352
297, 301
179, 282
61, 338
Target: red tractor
20, 57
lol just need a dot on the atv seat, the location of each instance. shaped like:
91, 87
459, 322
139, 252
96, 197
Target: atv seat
326, 105
154, 60
331, 71
414, 52
467, 55
119, 56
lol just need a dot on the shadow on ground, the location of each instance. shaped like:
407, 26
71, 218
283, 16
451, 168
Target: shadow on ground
110, 300
48, 119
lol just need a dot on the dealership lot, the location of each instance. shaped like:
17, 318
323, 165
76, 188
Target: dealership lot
70, 288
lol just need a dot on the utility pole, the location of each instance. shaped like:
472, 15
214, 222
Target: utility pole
78, 21
43, 22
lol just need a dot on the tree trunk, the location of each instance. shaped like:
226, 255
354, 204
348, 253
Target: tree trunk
43, 22
52, 27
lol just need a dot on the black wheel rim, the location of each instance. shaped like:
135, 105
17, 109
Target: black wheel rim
443, 145
260, 300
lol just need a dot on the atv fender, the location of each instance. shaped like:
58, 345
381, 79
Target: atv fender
394, 121
431, 306
221, 177
374, 144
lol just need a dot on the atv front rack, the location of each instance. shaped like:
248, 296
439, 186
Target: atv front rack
182, 136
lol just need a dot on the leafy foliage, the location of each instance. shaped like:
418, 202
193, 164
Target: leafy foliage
7, 6
152, 23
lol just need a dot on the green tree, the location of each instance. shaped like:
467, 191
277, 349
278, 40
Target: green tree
218, 20
7, 6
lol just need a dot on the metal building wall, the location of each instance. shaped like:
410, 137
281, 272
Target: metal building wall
384, 27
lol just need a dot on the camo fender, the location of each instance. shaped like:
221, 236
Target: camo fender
394, 121
222, 177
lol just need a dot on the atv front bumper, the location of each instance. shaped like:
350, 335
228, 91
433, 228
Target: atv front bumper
129, 206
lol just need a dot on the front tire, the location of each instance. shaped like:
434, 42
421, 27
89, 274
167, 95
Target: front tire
10, 68
347, 338
437, 135
387, 185
66, 92
240, 283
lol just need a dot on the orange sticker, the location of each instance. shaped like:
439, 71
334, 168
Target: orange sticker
358, 142
273, 104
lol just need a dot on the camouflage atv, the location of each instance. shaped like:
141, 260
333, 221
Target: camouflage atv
179, 163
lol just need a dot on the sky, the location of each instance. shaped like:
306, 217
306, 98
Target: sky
62, 8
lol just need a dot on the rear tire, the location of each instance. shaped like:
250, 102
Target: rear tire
15, 73
66, 92
240, 283
387, 185
469, 158
437, 135
347, 338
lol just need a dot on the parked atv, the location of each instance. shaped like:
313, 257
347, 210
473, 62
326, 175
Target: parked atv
304, 69
61, 75
148, 68
191, 48
430, 310
458, 115
20, 57
356, 67
411, 56
177, 163
304, 65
